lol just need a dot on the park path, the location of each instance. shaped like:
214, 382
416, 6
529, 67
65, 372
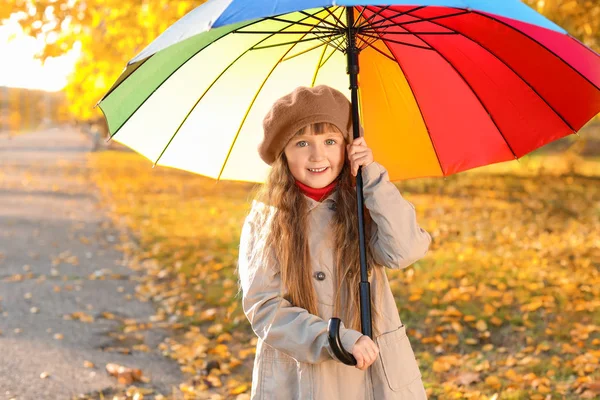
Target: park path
55, 238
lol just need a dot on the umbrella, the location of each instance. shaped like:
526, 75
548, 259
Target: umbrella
440, 86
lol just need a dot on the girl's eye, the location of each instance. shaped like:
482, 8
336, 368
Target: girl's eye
304, 141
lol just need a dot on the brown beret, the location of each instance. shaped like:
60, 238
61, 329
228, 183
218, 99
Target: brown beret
304, 106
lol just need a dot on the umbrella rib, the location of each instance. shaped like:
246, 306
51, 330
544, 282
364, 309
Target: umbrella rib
250, 108
401, 24
297, 23
540, 44
297, 41
372, 17
357, 21
397, 42
414, 33
333, 28
342, 25
364, 43
319, 19
342, 45
330, 32
121, 79
335, 46
476, 95
207, 89
357, 29
376, 25
377, 30
318, 67
328, 57
379, 51
515, 72
418, 106
367, 42
306, 51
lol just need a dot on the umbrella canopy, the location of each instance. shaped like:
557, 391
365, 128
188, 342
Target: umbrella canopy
444, 85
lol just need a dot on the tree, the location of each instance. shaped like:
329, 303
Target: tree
581, 18
108, 32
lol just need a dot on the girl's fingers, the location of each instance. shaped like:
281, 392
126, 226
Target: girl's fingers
366, 359
376, 349
359, 140
371, 355
357, 144
361, 159
356, 163
359, 360
364, 364
363, 361
361, 153
356, 149
375, 352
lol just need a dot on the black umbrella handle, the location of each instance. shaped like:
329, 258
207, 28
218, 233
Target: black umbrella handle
335, 343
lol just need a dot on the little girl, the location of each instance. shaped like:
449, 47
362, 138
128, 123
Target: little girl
299, 260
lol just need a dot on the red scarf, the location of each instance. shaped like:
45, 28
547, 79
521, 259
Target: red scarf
317, 194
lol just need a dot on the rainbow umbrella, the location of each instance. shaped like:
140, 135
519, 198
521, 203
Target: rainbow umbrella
440, 86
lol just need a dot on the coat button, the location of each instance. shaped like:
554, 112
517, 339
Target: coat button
320, 275
332, 206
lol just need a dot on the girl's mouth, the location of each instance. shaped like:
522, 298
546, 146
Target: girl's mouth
318, 170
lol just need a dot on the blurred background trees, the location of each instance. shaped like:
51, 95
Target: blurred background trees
109, 33
26, 109
581, 18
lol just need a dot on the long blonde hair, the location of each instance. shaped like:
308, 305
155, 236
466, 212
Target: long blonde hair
286, 231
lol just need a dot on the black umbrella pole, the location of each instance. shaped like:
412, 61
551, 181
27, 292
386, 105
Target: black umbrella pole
365, 289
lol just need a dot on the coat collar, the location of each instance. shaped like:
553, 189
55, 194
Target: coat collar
329, 202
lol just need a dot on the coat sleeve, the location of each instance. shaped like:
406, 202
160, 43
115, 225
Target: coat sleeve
289, 329
396, 238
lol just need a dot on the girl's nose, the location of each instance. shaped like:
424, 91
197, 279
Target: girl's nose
317, 153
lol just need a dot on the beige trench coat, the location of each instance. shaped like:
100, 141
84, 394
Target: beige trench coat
293, 358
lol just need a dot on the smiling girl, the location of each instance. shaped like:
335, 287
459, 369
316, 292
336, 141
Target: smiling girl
299, 260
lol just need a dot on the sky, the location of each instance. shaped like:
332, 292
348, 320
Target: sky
18, 68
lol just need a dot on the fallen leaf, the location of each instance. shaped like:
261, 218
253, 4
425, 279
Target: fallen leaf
123, 374
466, 378
493, 382
481, 325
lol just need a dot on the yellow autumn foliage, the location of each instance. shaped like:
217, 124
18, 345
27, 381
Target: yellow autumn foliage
518, 313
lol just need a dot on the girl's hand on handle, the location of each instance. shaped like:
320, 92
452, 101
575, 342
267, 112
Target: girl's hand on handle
358, 154
365, 351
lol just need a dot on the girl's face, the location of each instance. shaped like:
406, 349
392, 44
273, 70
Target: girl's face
309, 151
